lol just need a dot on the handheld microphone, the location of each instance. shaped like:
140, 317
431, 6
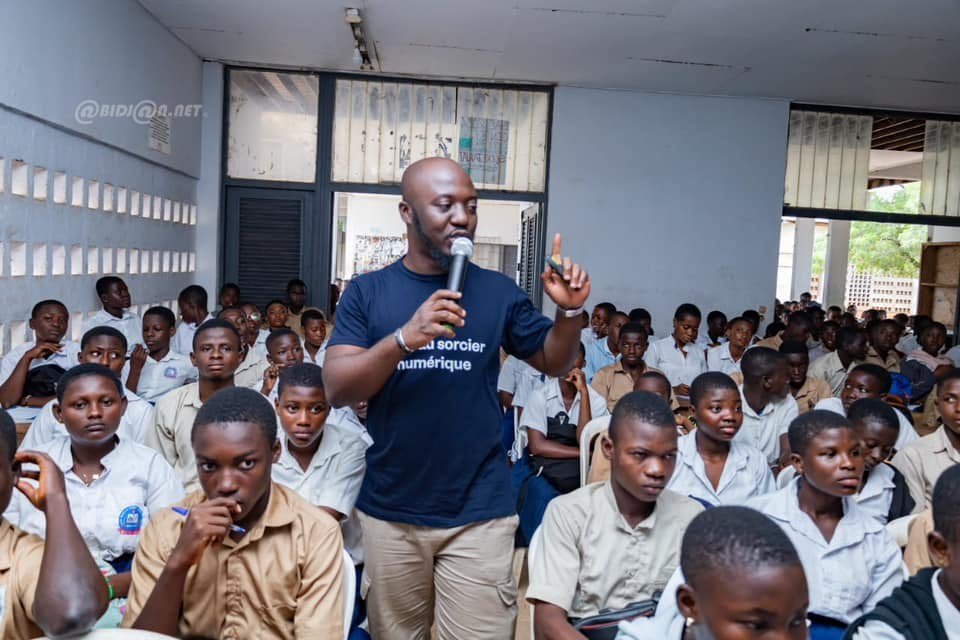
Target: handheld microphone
462, 250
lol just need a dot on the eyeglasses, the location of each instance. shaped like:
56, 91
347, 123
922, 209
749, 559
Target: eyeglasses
254, 316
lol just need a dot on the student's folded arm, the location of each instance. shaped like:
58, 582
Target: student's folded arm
71, 593
550, 622
11, 391
320, 596
352, 374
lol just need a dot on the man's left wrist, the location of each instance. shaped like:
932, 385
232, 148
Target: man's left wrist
569, 313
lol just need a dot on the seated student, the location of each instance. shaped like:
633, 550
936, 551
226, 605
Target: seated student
192, 303
296, 301
321, 460
923, 367
229, 296
284, 349
768, 408
277, 314
834, 367
600, 320
828, 340
236, 317
726, 358
613, 543
922, 462
216, 354
909, 338
740, 577
52, 588
553, 418
251, 559
677, 355
712, 466
753, 317
48, 320
869, 381
798, 328
651, 381
926, 606
604, 352
771, 334
103, 346
644, 318
115, 485
716, 333
818, 317
516, 381
883, 336
586, 331
618, 379
115, 298
256, 337
850, 560
158, 368
805, 390
314, 336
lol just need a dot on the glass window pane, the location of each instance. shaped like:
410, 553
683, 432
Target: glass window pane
272, 128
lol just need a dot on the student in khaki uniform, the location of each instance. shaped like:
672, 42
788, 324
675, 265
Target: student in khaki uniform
883, 336
805, 390
798, 328
834, 367
296, 301
251, 559
216, 354
56, 588
921, 462
609, 544
618, 379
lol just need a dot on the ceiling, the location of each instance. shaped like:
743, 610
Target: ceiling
872, 53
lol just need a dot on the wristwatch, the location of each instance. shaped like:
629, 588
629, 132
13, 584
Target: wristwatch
570, 313
398, 336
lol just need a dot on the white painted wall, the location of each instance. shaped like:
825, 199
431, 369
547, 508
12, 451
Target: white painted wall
209, 224
59, 230
668, 199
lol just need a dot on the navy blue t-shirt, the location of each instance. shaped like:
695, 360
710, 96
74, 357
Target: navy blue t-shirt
437, 458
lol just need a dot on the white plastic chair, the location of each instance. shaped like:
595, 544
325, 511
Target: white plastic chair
349, 592
590, 431
519, 437
532, 550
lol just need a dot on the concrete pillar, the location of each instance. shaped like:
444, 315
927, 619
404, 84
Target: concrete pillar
208, 188
802, 256
835, 266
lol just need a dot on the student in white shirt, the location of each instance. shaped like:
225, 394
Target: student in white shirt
256, 337
284, 350
517, 380
48, 320
603, 352
104, 346
850, 560
926, 606
114, 485
156, 368
869, 381
726, 358
716, 333
314, 326
553, 418
677, 355
322, 461
739, 578
768, 407
115, 298
712, 466
192, 303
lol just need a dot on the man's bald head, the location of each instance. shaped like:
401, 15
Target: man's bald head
429, 173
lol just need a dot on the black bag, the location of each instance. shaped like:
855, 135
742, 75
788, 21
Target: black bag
603, 626
562, 473
42, 381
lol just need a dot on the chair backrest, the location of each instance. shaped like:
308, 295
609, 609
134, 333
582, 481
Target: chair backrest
532, 549
349, 592
590, 431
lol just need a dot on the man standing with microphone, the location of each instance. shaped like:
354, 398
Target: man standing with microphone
436, 506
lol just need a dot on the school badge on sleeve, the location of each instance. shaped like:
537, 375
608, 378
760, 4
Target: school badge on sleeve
131, 521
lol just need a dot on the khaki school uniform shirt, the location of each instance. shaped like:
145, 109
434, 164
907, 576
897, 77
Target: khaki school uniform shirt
170, 436
773, 342
917, 554
250, 372
20, 556
813, 391
891, 363
281, 580
590, 558
830, 368
921, 462
613, 382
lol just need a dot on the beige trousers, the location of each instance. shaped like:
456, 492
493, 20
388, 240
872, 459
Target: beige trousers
462, 577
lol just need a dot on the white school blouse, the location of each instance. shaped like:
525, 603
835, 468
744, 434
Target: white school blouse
136, 421
745, 475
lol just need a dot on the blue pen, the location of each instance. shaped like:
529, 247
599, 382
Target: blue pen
184, 512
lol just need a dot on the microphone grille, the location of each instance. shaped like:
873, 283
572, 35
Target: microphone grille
462, 247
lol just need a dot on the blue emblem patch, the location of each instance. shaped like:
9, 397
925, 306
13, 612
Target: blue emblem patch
131, 520
170, 372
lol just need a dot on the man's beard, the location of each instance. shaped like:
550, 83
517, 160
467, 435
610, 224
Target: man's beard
441, 259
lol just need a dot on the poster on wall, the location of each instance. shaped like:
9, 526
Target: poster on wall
376, 252
483, 149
